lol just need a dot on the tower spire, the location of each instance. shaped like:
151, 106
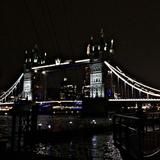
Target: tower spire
111, 47
102, 37
102, 32
90, 46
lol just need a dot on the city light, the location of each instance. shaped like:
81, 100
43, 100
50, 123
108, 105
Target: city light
43, 72
49, 126
93, 121
70, 122
39, 124
5, 108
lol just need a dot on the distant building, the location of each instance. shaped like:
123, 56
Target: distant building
86, 83
86, 91
67, 90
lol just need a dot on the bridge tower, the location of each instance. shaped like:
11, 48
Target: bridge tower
32, 58
98, 52
27, 81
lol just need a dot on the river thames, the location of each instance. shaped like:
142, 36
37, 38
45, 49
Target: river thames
95, 146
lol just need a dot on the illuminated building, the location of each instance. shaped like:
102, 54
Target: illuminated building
86, 91
98, 52
68, 91
34, 57
86, 85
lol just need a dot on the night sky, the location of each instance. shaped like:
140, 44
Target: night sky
62, 28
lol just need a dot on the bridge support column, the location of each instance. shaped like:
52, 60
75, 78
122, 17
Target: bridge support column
139, 109
96, 81
27, 86
24, 124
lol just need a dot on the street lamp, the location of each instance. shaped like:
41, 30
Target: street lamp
45, 83
44, 72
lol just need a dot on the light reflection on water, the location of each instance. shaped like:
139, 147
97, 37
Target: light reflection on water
95, 147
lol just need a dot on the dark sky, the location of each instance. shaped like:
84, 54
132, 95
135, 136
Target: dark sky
63, 28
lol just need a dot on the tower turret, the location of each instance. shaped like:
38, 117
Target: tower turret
99, 51
111, 50
35, 55
101, 42
90, 47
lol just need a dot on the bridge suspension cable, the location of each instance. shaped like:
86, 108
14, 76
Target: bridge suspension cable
134, 81
137, 87
10, 90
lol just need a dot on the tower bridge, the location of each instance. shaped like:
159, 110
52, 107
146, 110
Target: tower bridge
102, 79
104, 82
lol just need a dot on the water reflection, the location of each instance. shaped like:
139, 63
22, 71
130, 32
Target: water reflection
110, 151
95, 147
82, 147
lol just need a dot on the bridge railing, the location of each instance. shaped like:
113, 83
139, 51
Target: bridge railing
138, 137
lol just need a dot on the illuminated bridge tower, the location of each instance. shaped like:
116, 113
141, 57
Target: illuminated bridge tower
27, 82
98, 52
32, 58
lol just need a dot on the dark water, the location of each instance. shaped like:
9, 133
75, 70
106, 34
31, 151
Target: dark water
86, 146
95, 147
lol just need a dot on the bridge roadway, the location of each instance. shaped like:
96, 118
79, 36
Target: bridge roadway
44, 102
80, 101
135, 100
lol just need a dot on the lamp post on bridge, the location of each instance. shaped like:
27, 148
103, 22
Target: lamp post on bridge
45, 84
